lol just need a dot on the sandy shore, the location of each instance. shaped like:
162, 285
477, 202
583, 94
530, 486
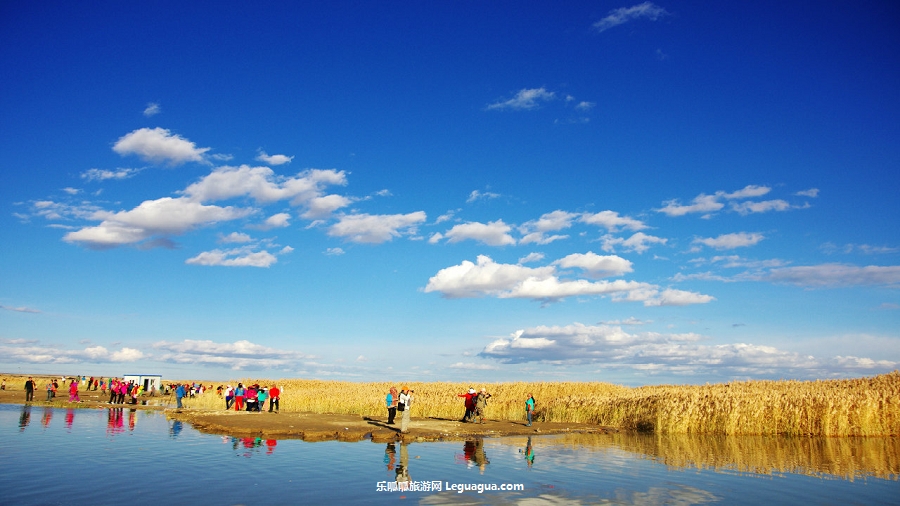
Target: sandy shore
316, 426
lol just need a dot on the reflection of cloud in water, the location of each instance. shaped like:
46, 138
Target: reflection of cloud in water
847, 458
677, 494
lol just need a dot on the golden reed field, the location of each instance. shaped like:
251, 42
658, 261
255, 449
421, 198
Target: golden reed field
849, 407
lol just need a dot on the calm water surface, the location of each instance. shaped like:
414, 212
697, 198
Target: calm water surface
119, 456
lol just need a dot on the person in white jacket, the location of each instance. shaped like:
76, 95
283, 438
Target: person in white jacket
405, 400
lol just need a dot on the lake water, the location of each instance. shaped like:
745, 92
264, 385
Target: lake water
120, 456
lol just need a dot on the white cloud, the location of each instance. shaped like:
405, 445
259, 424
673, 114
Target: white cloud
158, 145
534, 231
638, 243
748, 191
528, 98
655, 353
494, 233
274, 159
238, 355
531, 257
488, 278
261, 184
103, 175
616, 17
15, 351
596, 265
373, 229
812, 193
477, 195
833, 275
321, 207
152, 109
334, 251
764, 206
279, 220
236, 257
233, 237
730, 241
701, 204
612, 221
162, 217
468, 366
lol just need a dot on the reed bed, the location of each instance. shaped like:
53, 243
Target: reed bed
868, 406
850, 407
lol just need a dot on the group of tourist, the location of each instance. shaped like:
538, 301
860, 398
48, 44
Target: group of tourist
399, 402
252, 397
476, 404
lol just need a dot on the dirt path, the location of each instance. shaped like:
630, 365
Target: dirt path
315, 426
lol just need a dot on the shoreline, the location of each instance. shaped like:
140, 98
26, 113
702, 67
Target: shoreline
314, 427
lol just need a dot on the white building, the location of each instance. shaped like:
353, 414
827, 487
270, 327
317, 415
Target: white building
149, 381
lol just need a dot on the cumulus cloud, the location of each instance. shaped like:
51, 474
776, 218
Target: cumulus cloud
652, 352
279, 220
262, 185
235, 257
835, 275
596, 265
535, 231
32, 352
488, 278
274, 159
638, 243
238, 355
611, 221
233, 237
764, 206
494, 233
701, 204
374, 229
161, 217
730, 241
622, 15
812, 193
529, 98
158, 145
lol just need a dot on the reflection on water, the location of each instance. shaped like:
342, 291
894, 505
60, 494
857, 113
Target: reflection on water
847, 458
570, 469
473, 454
249, 446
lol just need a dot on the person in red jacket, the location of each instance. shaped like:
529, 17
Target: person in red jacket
274, 396
470, 405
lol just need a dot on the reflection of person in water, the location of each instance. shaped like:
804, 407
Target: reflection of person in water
70, 417
176, 429
25, 419
390, 456
403, 468
46, 417
474, 454
529, 453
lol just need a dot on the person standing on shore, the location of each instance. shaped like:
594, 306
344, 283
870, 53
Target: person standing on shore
480, 405
29, 389
229, 397
391, 402
274, 396
261, 397
73, 391
529, 409
239, 397
179, 394
49, 391
470, 405
403, 405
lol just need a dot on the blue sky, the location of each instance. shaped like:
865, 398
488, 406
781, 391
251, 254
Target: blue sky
639, 193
